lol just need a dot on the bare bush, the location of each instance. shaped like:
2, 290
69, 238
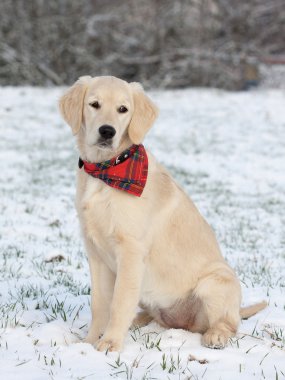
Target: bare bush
163, 43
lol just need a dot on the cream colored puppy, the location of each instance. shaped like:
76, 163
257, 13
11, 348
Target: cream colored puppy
155, 250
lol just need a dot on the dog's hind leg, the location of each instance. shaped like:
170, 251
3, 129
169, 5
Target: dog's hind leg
141, 319
220, 293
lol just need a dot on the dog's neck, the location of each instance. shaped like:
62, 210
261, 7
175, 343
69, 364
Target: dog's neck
96, 154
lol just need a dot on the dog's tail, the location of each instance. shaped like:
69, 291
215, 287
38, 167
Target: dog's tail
249, 311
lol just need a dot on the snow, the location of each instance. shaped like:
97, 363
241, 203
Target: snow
227, 151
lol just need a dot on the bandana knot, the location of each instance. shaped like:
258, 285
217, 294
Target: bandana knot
127, 172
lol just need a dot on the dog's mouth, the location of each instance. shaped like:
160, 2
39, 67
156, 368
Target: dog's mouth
105, 144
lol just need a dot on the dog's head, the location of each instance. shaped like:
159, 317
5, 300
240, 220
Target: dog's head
107, 113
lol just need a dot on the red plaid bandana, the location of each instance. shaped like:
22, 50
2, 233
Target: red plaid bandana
127, 172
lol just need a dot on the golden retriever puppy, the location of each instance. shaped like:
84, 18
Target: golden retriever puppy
147, 243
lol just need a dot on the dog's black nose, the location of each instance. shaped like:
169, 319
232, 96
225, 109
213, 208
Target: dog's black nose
107, 132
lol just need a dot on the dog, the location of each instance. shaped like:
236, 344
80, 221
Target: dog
147, 243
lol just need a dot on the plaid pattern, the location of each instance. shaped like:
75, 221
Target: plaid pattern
127, 172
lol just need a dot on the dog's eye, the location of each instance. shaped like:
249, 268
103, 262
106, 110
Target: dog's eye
122, 109
95, 105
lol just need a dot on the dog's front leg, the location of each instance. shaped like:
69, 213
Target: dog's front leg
126, 295
102, 287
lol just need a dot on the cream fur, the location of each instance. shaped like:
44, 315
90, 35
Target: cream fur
155, 251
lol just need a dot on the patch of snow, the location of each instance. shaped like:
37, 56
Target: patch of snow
226, 150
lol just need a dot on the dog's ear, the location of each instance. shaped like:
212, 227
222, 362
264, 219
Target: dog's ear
71, 103
145, 112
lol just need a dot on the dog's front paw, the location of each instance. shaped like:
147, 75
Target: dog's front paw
109, 344
93, 336
91, 339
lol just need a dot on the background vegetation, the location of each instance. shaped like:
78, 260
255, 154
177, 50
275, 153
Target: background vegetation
162, 43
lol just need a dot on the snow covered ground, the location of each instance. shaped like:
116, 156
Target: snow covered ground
227, 150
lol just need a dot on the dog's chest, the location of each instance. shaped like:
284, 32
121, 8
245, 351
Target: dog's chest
99, 216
